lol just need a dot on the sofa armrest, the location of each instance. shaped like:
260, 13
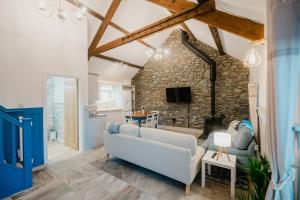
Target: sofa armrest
195, 164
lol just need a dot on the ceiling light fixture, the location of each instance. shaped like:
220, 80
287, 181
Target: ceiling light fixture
159, 53
48, 8
121, 64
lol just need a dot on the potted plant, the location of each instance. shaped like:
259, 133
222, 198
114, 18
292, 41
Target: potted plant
258, 176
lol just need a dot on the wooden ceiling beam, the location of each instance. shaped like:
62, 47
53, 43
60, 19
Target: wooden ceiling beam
240, 26
215, 34
189, 32
213, 30
99, 16
185, 28
157, 26
109, 15
119, 61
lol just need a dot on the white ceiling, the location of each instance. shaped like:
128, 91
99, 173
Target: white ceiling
109, 71
135, 14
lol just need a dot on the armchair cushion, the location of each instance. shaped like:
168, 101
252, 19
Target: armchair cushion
243, 137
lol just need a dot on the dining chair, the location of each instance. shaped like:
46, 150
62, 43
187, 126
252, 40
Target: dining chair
155, 118
128, 119
149, 121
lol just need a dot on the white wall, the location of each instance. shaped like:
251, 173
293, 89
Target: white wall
33, 46
114, 115
93, 88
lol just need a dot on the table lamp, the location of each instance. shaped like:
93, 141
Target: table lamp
223, 140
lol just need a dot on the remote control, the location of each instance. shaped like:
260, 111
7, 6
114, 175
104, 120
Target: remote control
214, 155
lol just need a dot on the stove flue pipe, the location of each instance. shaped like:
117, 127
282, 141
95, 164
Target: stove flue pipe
213, 70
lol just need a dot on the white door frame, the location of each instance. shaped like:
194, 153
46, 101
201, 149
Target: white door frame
46, 75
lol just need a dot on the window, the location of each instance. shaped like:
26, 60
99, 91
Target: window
110, 96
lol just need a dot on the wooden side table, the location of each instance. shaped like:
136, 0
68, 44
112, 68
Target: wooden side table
222, 162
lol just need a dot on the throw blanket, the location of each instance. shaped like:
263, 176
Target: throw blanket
114, 128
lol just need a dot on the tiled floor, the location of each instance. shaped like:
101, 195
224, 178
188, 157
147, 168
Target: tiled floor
57, 151
89, 176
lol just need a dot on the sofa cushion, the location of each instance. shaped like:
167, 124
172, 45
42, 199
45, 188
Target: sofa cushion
130, 129
169, 137
243, 138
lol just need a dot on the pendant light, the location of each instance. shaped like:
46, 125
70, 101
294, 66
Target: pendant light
252, 57
43, 5
78, 14
48, 7
61, 13
159, 53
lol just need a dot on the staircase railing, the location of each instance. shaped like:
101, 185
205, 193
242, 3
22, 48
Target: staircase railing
14, 127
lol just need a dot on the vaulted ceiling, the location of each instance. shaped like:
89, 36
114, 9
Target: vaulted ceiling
127, 16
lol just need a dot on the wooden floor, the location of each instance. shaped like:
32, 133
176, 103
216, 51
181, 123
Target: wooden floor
57, 151
88, 176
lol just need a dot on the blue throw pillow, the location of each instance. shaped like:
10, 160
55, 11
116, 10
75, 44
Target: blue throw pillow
114, 128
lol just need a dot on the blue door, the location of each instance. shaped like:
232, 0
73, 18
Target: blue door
15, 173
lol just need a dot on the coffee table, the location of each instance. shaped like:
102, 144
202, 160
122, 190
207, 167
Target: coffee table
222, 162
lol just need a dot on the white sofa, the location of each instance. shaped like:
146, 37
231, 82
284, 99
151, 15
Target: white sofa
172, 154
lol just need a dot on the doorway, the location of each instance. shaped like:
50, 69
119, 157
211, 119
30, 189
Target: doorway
62, 118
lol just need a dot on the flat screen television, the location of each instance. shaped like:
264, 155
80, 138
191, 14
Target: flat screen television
179, 95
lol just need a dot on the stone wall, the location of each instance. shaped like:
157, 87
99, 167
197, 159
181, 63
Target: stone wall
184, 68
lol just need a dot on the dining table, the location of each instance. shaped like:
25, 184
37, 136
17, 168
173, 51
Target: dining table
137, 116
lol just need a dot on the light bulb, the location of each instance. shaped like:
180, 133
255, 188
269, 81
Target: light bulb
43, 5
83, 11
252, 59
150, 53
61, 13
167, 51
124, 67
78, 14
159, 50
